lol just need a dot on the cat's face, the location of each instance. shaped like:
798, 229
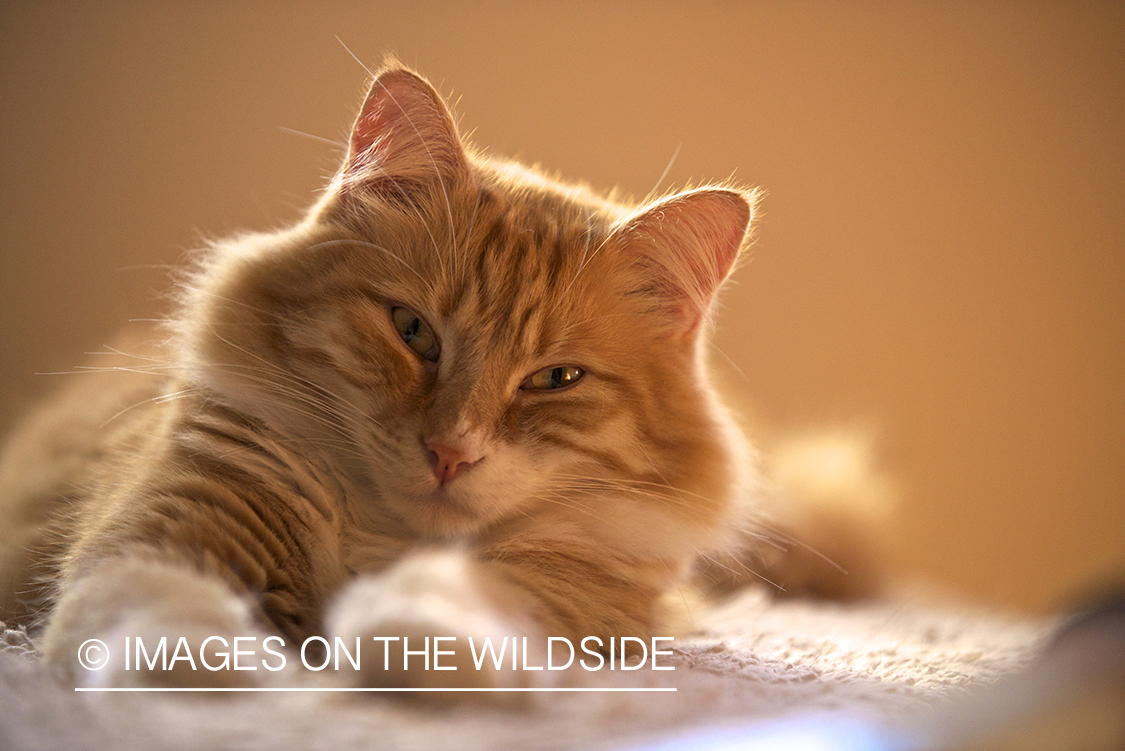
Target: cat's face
474, 344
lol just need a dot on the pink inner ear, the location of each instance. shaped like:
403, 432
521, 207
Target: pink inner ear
386, 113
686, 246
715, 225
403, 135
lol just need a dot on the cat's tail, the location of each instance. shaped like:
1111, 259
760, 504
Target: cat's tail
822, 528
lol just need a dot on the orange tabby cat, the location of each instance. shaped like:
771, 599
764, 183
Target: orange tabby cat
459, 398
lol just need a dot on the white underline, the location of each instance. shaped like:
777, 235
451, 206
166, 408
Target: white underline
163, 689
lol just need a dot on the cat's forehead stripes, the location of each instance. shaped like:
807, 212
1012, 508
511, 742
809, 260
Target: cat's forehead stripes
520, 263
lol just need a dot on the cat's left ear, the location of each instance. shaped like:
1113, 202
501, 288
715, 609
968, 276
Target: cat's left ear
404, 141
682, 248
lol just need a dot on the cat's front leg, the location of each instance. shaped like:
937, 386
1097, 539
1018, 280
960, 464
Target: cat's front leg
137, 621
438, 619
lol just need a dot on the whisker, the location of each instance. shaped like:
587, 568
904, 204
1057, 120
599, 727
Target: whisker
790, 540
726, 357
316, 393
113, 351
322, 139
162, 399
587, 261
346, 49
209, 293
373, 246
667, 168
422, 218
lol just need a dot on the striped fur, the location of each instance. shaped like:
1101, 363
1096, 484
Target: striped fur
281, 447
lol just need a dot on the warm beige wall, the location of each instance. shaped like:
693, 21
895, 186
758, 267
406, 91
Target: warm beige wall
942, 253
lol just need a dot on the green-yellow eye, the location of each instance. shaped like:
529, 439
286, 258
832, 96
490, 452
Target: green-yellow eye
415, 333
557, 377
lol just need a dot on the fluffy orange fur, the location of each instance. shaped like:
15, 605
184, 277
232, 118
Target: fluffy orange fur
458, 396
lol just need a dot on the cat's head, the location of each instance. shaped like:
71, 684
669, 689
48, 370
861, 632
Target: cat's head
473, 342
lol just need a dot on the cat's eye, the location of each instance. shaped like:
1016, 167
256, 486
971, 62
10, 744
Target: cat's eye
558, 377
415, 333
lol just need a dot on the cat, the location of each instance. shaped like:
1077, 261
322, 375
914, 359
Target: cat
459, 397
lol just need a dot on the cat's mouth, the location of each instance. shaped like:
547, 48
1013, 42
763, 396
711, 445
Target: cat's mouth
458, 506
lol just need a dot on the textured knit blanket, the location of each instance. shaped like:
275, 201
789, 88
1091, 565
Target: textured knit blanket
752, 663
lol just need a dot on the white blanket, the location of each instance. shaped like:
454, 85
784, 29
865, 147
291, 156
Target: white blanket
753, 660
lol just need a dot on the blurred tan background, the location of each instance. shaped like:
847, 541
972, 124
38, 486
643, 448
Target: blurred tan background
941, 257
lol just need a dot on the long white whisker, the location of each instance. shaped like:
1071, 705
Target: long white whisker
162, 399
209, 293
418, 213
276, 370
346, 49
790, 540
298, 396
726, 357
667, 168
597, 250
113, 351
373, 246
322, 139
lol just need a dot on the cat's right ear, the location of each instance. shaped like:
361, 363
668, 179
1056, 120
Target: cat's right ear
404, 141
682, 248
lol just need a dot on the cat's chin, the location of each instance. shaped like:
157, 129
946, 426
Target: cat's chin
440, 513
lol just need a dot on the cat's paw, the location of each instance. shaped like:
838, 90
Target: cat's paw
146, 624
434, 621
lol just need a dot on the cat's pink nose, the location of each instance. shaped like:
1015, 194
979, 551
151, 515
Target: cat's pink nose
450, 460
